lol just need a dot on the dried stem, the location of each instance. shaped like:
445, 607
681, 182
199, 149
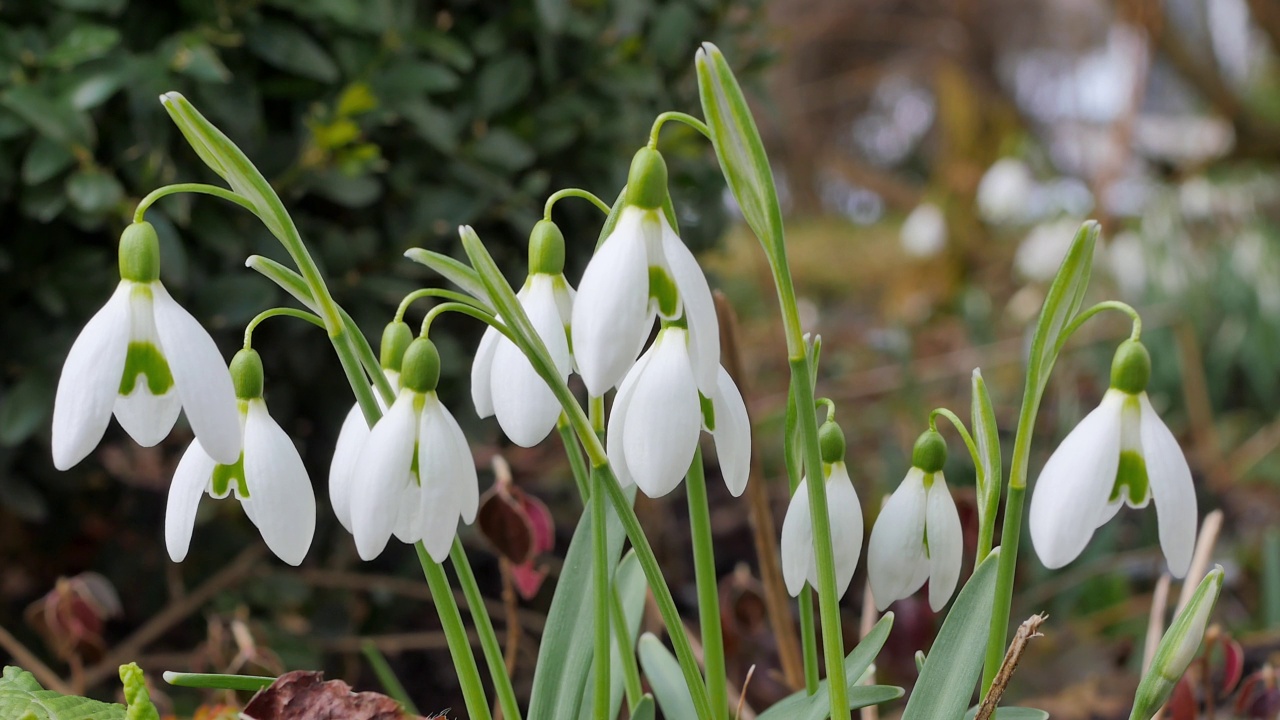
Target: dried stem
32, 663
1026, 631
1205, 542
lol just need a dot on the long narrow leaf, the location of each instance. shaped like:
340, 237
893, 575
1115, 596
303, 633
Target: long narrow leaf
455, 271
666, 678
630, 585
1011, 713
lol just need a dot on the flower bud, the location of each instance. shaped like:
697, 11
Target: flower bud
930, 452
1131, 367
1177, 648
546, 249
139, 253
647, 180
831, 442
246, 374
420, 370
396, 337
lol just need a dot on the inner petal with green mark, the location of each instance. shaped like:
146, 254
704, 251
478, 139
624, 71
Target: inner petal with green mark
145, 360
1131, 483
708, 413
662, 289
223, 477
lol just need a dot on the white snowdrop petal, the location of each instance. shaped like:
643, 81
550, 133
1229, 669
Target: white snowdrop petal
1072, 491
896, 561
946, 545
279, 488
797, 540
616, 429
611, 306
846, 527
732, 434
384, 463
346, 463
1172, 490
443, 448
408, 524
700, 309
201, 376
482, 371
664, 418
147, 418
90, 381
526, 407
190, 481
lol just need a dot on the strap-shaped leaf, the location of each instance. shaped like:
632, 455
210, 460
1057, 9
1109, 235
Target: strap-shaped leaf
1011, 713
22, 697
799, 706
954, 664
630, 586
452, 270
646, 709
1061, 305
666, 678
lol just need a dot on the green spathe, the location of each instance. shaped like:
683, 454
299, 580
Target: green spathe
247, 374
930, 452
647, 180
139, 253
1177, 648
420, 370
546, 249
396, 338
1131, 367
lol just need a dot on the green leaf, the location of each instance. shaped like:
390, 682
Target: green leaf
109, 7
249, 683
666, 678
630, 585
954, 665
986, 436
21, 696
45, 160
292, 50
452, 270
432, 124
83, 43
800, 706
503, 83
94, 191
504, 150
25, 408
53, 118
646, 709
552, 14
564, 658
1011, 713
96, 88
1061, 305
739, 149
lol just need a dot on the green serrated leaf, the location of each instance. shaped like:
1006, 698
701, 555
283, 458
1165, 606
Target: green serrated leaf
21, 696
954, 665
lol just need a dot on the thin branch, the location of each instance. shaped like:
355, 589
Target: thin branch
1026, 631
28, 661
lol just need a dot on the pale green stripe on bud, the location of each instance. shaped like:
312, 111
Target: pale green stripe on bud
1177, 648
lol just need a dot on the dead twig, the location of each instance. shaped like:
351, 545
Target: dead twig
1026, 631
28, 661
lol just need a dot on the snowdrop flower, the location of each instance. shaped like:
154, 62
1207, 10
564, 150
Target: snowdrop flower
799, 564
143, 358
1120, 454
268, 478
503, 381
924, 232
1005, 191
344, 468
917, 535
659, 414
642, 269
418, 477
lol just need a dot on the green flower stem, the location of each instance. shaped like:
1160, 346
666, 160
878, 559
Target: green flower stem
809, 640
145, 203
704, 567
372, 367
442, 293
961, 429
465, 309
987, 524
600, 575
574, 453
685, 118
1084, 315
218, 681
573, 192
387, 676
630, 668
596, 409
278, 312
464, 661
484, 628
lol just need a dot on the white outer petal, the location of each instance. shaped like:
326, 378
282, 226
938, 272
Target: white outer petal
190, 481
614, 446
612, 305
797, 540
1070, 496
526, 407
846, 527
664, 418
384, 464
450, 486
482, 371
1171, 488
283, 501
147, 418
946, 544
201, 376
732, 434
699, 308
346, 464
90, 381
896, 561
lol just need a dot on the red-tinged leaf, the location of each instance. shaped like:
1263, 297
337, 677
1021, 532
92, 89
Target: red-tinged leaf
1182, 704
504, 523
305, 695
528, 579
1232, 664
544, 528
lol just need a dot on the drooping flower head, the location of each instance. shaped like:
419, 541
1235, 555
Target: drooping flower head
917, 535
416, 475
1120, 454
143, 358
642, 270
268, 478
660, 412
844, 512
503, 381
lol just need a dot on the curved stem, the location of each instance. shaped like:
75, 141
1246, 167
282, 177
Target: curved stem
484, 628
704, 568
450, 295
829, 405
601, 582
465, 309
961, 429
145, 203
278, 312
685, 118
573, 192
1085, 315
464, 661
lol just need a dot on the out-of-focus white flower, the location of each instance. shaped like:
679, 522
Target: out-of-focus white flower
1120, 454
417, 475
1042, 250
143, 358
642, 270
924, 232
1005, 190
1128, 262
268, 479
658, 416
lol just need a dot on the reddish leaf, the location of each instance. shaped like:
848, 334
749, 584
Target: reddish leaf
1182, 705
503, 521
528, 579
1232, 664
305, 695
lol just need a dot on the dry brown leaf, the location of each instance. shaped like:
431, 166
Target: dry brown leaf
306, 695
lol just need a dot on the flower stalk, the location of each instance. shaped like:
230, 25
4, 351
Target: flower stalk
704, 568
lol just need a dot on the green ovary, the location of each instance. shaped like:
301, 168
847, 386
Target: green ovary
1131, 483
224, 475
145, 359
